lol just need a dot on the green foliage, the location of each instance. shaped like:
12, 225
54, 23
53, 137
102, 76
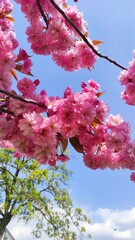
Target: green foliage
29, 191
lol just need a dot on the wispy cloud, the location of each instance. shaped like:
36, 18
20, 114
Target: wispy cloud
106, 224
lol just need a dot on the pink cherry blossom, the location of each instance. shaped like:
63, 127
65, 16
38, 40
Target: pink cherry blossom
132, 177
26, 87
30, 122
58, 37
127, 78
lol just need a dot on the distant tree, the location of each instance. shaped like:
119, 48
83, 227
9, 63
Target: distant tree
29, 191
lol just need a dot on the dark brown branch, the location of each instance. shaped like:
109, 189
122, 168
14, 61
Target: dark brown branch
42, 12
22, 99
84, 38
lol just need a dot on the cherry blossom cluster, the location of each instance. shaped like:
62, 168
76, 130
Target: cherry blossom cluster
42, 126
8, 44
56, 36
80, 117
127, 78
34, 134
111, 146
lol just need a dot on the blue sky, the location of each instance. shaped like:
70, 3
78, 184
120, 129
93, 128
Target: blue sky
112, 191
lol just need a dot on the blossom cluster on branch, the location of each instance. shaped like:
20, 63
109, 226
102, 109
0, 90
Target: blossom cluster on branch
56, 36
40, 126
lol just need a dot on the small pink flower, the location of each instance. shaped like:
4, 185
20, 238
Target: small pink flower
93, 84
22, 55
30, 123
127, 78
132, 176
67, 92
36, 82
26, 66
26, 86
62, 158
17, 155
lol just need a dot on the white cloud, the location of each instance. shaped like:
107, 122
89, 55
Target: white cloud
106, 224
22, 231
112, 224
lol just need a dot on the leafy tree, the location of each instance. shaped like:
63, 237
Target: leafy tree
29, 191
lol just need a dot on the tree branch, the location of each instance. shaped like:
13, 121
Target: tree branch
22, 99
1, 213
4, 169
42, 12
10, 192
45, 216
84, 38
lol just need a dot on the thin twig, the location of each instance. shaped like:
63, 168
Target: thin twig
45, 216
22, 99
84, 38
42, 12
